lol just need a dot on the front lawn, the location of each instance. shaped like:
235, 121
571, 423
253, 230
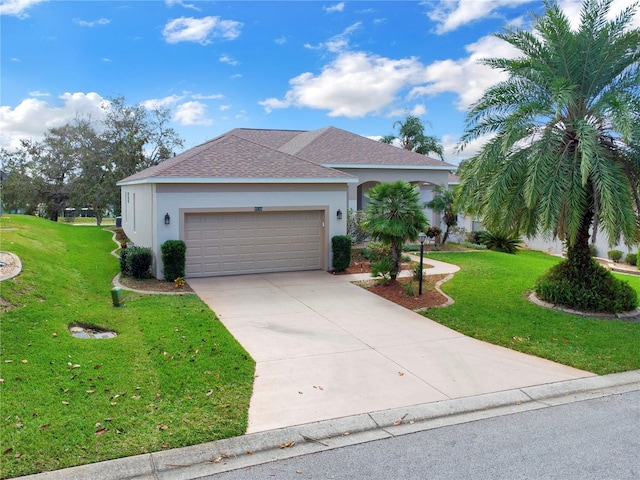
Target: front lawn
491, 305
173, 376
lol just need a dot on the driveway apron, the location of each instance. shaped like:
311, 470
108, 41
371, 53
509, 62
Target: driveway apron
325, 348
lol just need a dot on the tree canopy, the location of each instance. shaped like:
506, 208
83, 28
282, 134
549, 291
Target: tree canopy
79, 163
412, 137
563, 129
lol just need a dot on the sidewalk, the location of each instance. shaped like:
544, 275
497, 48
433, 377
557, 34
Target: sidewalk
240, 452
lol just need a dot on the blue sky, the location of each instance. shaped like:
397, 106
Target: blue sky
218, 65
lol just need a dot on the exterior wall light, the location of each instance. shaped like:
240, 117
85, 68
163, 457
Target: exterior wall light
167, 219
339, 214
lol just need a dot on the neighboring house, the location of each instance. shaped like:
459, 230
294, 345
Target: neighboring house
255, 201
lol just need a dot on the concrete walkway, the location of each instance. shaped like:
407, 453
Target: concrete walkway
326, 348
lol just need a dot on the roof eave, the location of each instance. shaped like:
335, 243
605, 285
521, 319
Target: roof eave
232, 180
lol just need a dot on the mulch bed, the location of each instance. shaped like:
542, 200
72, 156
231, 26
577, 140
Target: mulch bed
153, 285
395, 292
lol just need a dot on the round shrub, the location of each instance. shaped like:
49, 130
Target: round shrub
615, 255
138, 260
594, 290
631, 259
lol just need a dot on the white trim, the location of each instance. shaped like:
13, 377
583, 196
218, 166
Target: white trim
234, 180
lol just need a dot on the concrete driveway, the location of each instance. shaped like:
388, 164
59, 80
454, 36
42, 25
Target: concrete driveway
325, 348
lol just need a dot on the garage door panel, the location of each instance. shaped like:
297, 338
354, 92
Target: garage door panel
252, 242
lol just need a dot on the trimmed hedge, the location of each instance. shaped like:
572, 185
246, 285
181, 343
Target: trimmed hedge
173, 259
593, 290
138, 262
341, 249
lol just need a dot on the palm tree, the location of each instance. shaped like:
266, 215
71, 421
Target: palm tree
394, 216
445, 203
559, 160
412, 137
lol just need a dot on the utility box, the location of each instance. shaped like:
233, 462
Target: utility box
116, 296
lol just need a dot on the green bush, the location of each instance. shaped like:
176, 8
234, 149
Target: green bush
376, 251
501, 242
173, 259
594, 290
341, 249
631, 259
124, 269
615, 255
138, 260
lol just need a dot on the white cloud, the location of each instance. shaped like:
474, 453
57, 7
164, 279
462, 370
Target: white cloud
466, 77
339, 42
153, 103
224, 107
452, 14
171, 3
84, 23
228, 60
338, 7
281, 40
33, 117
572, 9
191, 113
17, 8
38, 93
215, 96
200, 30
353, 85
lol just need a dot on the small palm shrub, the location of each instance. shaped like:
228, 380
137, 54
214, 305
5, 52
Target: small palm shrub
615, 255
409, 289
382, 268
594, 290
341, 249
501, 242
631, 258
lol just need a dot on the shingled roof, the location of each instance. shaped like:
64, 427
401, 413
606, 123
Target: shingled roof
272, 155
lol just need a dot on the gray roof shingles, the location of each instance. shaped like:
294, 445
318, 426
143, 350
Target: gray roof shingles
282, 154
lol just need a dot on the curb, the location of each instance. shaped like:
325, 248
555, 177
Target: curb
256, 448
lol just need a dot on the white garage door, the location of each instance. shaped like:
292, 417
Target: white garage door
252, 242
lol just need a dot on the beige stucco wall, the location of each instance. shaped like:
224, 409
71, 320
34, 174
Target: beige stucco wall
180, 199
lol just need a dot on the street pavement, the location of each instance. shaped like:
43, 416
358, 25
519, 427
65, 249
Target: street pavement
587, 440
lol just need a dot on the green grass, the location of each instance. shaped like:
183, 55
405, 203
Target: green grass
491, 305
173, 376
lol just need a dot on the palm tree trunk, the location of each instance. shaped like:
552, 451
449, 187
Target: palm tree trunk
578, 253
396, 251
